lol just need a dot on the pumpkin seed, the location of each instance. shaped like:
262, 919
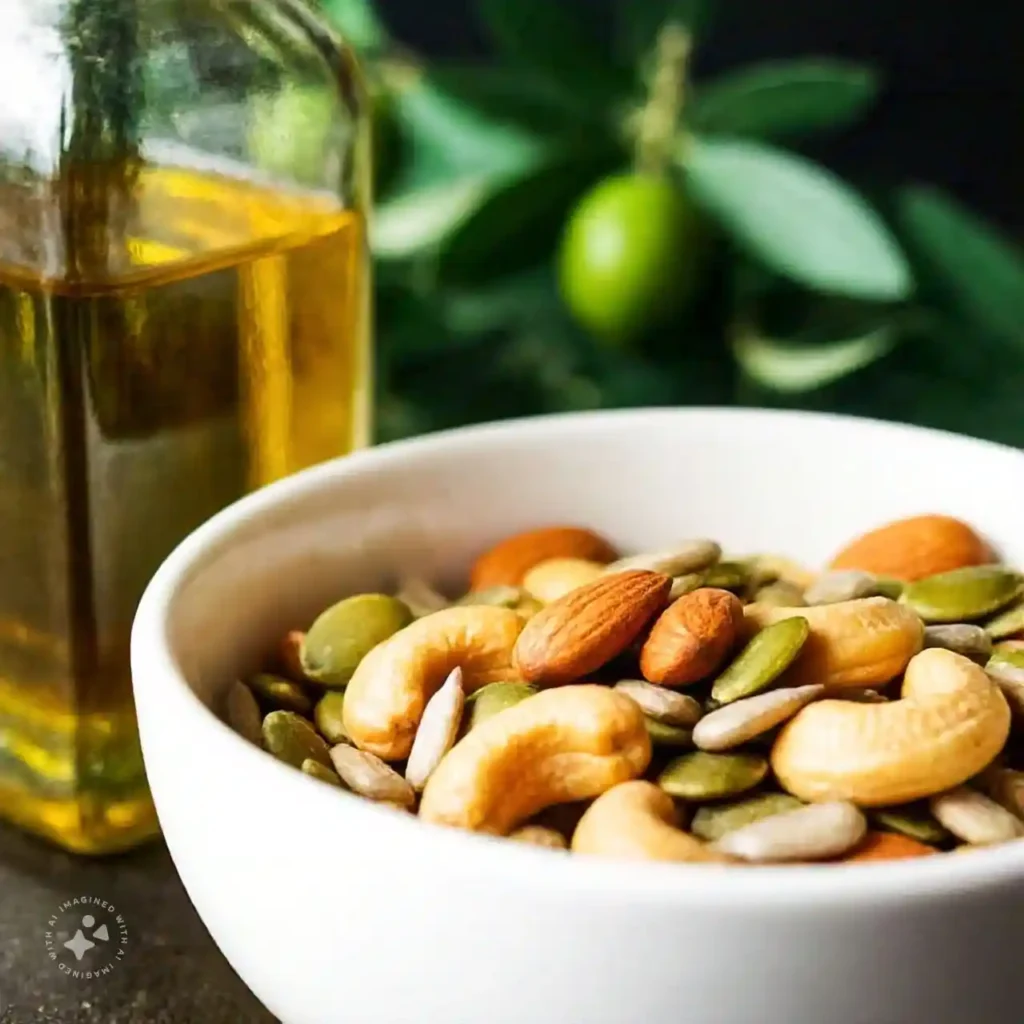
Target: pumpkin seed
664, 735
493, 698
276, 693
318, 771
768, 654
767, 568
500, 596
815, 832
420, 597
841, 585
346, 632
686, 584
963, 595
367, 775
913, 820
290, 738
963, 638
1008, 623
701, 776
1006, 669
892, 589
661, 704
975, 818
328, 716
736, 723
537, 835
781, 594
727, 576
437, 731
713, 821
691, 556
242, 713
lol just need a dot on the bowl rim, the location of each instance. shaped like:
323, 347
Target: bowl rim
805, 886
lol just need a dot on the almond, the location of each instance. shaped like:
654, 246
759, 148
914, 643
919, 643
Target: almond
911, 549
509, 561
888, 846
692, 637
589, 626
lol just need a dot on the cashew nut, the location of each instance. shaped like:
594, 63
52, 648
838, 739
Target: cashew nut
866, 642
386, 696
949, 724
638, 821
561, 745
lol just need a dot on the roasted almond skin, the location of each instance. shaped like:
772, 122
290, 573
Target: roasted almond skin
692, 637
911, 549
589, 626
508, 561
888, 846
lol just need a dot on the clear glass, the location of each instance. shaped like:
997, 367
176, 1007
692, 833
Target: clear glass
184, 317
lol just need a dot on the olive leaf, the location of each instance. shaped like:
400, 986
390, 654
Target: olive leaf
797, 218
782, 98
545, 37
981, 273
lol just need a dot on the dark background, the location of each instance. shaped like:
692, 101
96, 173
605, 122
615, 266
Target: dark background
952, 111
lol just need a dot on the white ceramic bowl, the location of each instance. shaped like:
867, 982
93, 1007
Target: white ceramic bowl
337, 912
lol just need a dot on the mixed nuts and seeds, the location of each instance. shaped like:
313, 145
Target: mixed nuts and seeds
675, 705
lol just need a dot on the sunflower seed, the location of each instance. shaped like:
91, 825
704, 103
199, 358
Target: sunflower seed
1005, 786
538, 835
814, 832
689, 557
841, 585
437, 730
420, 597
963, 638
367, 775
685, 584
782, 594
975, 818
661, 704
735, 723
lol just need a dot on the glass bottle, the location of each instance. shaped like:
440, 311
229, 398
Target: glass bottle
184, 317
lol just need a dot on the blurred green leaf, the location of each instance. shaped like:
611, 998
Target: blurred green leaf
519, 223
510, 301
982, 274
639, 21
797, 218
357, 21
546, 37
783, 98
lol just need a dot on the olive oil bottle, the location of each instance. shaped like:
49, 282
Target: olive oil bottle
184, 317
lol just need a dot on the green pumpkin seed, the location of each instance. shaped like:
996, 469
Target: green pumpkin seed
962, 638
493, 698
665, 735
701, 776
329, 717
913, 820
768, 654
242, 713
781, 594
727, 576
886, 587
1008, 623
714, 820
963, 595
291, 739
319, 771
275, 693
346, 632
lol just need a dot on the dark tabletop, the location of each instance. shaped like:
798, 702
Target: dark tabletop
171, 971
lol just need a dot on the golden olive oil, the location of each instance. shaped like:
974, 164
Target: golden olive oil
220, 342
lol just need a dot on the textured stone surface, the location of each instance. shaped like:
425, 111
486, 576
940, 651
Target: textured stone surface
171, 972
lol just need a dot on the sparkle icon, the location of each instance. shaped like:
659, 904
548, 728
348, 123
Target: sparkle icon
80, 944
